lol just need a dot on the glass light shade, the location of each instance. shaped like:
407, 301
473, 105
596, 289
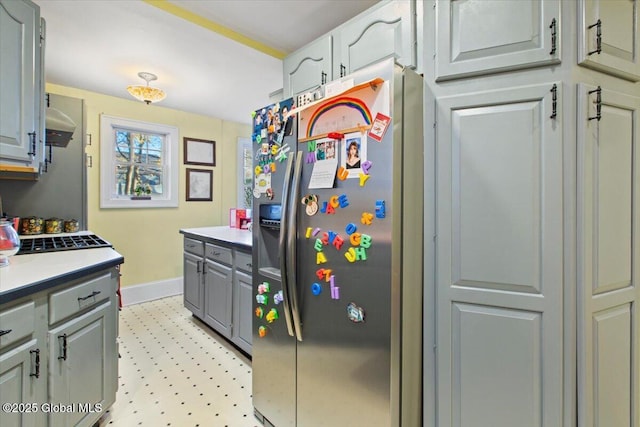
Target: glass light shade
147, 94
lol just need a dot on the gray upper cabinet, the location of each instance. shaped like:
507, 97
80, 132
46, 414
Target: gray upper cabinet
386, 29
308, 68
383, 31
22, 85
486, 36
608, 37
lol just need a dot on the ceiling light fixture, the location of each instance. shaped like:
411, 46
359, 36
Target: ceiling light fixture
147, 94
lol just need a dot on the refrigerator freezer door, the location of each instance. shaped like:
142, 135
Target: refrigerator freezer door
344, 364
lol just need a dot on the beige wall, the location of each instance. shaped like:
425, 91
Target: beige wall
149, 239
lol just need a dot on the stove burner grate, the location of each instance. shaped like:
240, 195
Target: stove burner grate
60, 243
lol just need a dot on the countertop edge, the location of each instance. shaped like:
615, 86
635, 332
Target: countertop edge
210, 236
51, 282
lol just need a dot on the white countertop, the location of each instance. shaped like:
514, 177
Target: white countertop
39, 271
226, 234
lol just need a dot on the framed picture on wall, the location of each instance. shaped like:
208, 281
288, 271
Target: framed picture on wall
199, 185
199, 152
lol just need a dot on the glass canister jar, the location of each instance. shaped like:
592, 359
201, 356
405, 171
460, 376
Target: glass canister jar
71, 226
31, 225
53, 226
9, 242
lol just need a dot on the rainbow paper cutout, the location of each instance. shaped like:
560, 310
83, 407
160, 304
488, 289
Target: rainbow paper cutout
344, 101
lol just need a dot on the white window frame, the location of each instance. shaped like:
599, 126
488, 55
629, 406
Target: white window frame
108, 198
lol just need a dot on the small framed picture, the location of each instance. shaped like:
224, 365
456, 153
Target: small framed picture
199, 152
199, 185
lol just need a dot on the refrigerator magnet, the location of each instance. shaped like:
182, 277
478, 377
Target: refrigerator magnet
316, 289
379, 127
355, 313
278, 298
272, 315
262, 331
311, 203
259, 312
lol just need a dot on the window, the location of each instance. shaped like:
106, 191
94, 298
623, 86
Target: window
245, 173
138, 164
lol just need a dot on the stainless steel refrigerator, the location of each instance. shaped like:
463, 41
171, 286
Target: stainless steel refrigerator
338, 256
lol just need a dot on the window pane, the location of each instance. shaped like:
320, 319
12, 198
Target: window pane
148, 180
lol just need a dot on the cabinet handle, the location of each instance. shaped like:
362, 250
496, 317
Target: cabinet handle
197, 266
323, 78
598, 92
5, 332
92, 294
553, 26
49, 160
598, 26
249, 265
64, 346
343, 70
32, 136
37, 352
554, 101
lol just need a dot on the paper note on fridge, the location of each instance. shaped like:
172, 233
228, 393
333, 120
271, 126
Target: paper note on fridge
324, 173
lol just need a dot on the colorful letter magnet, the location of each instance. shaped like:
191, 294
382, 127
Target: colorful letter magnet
261, 299
259, 312
262, 331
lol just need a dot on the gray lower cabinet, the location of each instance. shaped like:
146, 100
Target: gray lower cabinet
218, 288
218, 282
193, 284
19, 384
74, 377
59, 353
242, 310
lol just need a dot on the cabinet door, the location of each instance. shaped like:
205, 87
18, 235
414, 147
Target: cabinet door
308, 67
18, 383
217, 294
609, 39
19, 47
385, 31
499, 252
193, 287
83, 366
242, 310
486, 36
608, 259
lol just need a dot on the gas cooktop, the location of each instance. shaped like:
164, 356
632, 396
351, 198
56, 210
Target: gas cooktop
60, 243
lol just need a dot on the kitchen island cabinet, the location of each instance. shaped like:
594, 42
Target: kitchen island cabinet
217, 281
58, 339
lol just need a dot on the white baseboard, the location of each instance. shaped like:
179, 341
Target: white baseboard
151, 291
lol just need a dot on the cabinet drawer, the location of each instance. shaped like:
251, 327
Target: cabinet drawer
70, 301
19, 320
243, 261
218, 253
195, 247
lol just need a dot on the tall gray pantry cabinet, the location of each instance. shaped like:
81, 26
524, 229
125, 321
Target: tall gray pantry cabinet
536, 228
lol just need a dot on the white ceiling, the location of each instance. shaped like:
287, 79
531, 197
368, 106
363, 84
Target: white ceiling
101, 45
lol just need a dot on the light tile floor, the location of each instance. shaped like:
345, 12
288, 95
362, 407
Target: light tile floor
175, 371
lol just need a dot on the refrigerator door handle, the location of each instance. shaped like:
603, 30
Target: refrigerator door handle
282, 247
291, 246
